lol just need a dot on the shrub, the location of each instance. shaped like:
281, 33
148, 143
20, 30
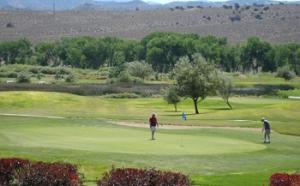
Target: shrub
15, 171
283, 179
34, 70
10, 168
9, 74
122, 95
285, 73
50, 174
39, 76
125, 77
9, 25
235, 18
57, 76
139, 69
145, 177
70, 78
23, 78
258, 17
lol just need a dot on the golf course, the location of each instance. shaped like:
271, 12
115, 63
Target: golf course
219, 146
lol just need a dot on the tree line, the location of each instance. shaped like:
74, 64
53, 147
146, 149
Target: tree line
160, 49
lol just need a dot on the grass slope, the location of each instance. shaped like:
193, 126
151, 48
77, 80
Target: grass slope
282, 113
210, 156
95, 145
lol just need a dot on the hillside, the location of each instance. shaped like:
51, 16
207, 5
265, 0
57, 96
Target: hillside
274, 23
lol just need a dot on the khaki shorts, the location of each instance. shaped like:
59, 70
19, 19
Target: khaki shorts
153, 129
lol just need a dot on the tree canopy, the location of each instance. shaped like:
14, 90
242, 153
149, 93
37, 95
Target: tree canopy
195, 79
160, 49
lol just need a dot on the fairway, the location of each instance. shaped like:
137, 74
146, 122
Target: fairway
81, 130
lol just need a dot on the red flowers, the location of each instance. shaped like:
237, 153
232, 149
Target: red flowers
283, 179
27, 173
143, 177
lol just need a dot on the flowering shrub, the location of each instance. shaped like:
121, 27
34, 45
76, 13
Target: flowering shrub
24, 173
144, 177
283, 179
10, 168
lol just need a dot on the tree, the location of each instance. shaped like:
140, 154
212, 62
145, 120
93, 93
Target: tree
195, 79
171, 96
47, 54
225, 89
255, 54
139, 69
12, 52
297, 62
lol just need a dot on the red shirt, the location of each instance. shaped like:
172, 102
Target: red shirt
153, 121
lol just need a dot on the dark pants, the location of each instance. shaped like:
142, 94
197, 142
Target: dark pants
267, 136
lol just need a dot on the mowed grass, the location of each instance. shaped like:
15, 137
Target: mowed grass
247, 111
211, 156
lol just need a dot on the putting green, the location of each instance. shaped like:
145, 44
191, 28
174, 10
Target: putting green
114, 139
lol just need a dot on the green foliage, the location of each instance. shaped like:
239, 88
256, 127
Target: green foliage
122, 95
70, 78
287, 93
139, 69
124, 76
225, 88
171, 96
255, 54
23, 78
195, 79
12, 52
161, 50
286, 73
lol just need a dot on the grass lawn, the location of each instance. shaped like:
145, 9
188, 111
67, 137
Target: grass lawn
211, 156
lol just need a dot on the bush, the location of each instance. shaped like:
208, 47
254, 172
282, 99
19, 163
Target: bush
125, 77
10, 168
9, 25
53, 71
286, 73
15, 171
34, 70
9, 74
235, 18
122, 95
283, 179
139, 69
23, 78
137, 177
70, 78
50, 174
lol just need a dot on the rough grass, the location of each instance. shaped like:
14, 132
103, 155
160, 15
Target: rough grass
247, 111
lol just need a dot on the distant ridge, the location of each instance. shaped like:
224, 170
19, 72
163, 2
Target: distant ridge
114, 5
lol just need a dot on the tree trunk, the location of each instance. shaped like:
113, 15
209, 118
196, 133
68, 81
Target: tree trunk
229, 104
175, 105
196, 105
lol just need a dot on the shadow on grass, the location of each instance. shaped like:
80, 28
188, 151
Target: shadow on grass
190, 114
220, 109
